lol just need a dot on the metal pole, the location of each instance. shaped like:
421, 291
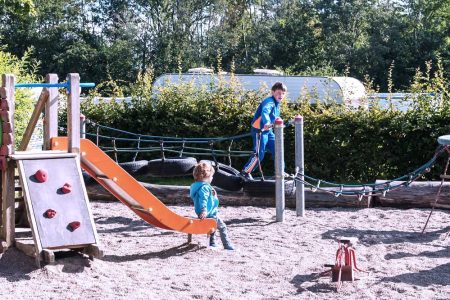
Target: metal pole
299, 166
279, 170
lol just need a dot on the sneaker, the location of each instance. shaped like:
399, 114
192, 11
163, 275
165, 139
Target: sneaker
246, 176
212, 241
229, 247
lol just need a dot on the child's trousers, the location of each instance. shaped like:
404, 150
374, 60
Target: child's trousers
267, 143
223, 234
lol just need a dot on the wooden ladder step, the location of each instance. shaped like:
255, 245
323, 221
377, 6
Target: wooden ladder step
445, 176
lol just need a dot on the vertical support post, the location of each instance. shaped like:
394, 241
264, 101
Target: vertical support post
299, 166
7, 192
51, 111
73, 113
279, 170
82, 126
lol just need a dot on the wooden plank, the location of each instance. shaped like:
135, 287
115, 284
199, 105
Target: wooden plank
26, 245
445, 176
7, 127
51, 111
8, 205
73, 113
38, 109
49, 256
41, 155
4, 114
7, 191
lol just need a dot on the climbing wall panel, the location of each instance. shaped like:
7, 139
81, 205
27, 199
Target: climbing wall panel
57, 202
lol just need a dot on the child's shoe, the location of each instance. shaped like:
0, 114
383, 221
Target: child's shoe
245, 176
229, 247
212, 240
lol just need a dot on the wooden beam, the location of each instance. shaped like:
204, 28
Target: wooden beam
7, 192
40, 105
51, 112
73, 113
419, 194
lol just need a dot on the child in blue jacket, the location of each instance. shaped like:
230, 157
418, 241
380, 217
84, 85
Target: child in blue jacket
206, 202
262, 122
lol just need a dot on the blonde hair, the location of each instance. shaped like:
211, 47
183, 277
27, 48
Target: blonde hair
202, 171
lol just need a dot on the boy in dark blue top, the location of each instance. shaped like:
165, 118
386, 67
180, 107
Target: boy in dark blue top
262, 123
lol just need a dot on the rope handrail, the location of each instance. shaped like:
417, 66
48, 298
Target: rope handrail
165, 138
369, 189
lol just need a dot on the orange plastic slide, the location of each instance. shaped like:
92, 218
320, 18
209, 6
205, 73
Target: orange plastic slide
128, 190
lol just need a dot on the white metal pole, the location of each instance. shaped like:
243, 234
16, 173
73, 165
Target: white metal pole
299, 166
279, 169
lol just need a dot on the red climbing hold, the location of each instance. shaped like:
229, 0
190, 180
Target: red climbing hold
74, 225
67, 188
41, 175
50, 213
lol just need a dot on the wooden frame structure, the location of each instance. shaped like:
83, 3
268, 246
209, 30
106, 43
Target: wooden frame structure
47, 104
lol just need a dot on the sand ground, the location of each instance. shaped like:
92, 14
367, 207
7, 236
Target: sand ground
273, 260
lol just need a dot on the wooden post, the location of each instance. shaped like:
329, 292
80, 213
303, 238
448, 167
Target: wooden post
73, 113
51, 112
7, 195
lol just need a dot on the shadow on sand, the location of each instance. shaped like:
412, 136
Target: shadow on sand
163, 254
16, 266
372, 237
439, 275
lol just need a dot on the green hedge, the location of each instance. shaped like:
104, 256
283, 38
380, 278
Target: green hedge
25, 71
340, 144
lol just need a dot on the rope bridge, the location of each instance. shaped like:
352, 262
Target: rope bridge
369, 189
181, 145
164, 144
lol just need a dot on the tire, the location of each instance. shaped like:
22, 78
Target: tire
171, 167
137, 167
258, 188
226, 177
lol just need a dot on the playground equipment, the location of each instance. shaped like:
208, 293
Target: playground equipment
345, 266
51, 181
53, 190
359, 190
445, 142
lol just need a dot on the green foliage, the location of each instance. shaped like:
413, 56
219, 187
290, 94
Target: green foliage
341, 144
24, 69
117, 39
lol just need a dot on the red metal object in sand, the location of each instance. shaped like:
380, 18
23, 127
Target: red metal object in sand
41, 175
74, 225
345, 265
67, 188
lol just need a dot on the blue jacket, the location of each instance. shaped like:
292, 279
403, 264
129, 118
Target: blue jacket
267, 112
202, 194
